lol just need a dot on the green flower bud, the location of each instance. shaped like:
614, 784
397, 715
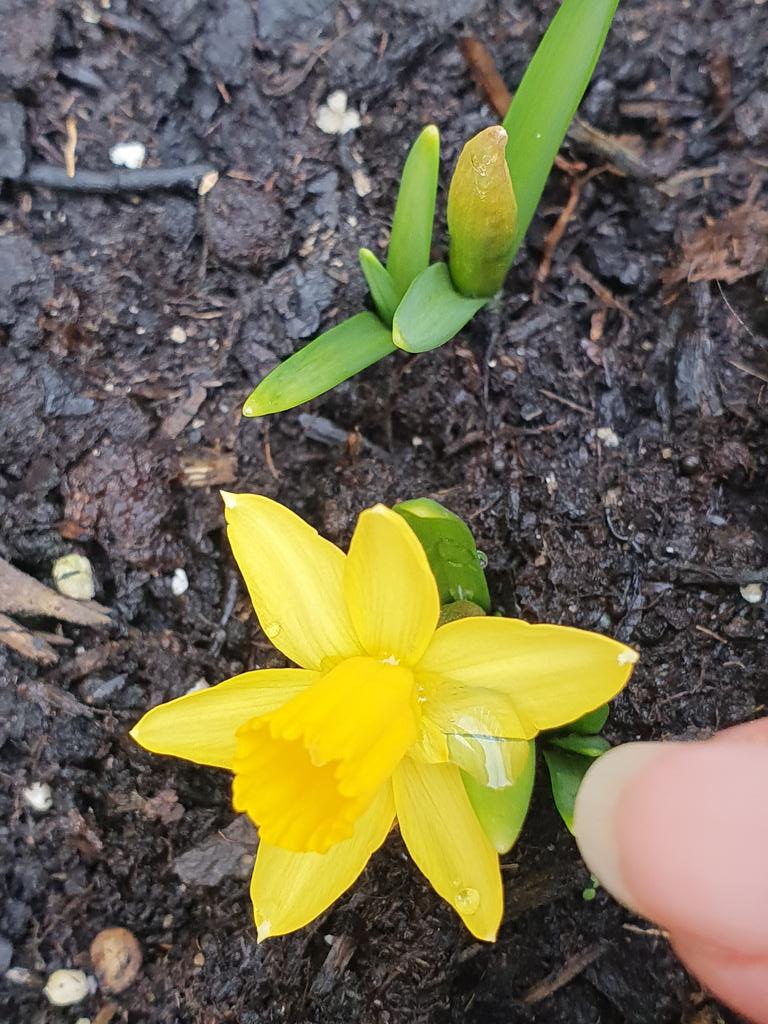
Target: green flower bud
482, 215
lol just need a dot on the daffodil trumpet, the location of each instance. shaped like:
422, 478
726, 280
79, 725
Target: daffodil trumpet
383, 714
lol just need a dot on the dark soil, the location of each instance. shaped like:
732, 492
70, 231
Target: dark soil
114, 438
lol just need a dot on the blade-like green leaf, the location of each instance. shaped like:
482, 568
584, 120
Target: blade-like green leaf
383, 289
502, 812
576, 743
411, 238
566, 771
432, 311
335, 356
591, 723
548, 96
450, 549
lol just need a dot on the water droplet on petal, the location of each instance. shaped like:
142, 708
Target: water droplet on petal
467, 901
482, 558
273, 630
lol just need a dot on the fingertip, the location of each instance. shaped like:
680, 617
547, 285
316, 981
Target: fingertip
741, 982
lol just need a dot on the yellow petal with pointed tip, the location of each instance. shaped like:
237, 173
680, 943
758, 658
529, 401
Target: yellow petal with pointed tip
553, 674
288, 890
448, 844
295, 579
391, 592
201, 726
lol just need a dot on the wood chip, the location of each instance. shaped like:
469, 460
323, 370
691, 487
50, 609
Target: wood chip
20, 594
205, 467
25, 643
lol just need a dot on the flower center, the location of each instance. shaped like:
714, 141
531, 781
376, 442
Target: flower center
306, 772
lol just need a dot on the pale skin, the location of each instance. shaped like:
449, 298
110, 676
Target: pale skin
678, 832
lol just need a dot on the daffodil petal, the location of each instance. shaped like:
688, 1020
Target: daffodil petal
288, 890
201, 726
553, 674
391, 592
295, 579
448, 844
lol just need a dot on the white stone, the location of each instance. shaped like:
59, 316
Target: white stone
66, 987
608, 436
38, 796
179, 583
177, 334
73, 577
128, 154
752, 592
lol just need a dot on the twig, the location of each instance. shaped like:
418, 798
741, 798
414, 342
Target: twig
565, 401
606, 297
748, 369
556, 232
571, 969
70, 146
145, 179
483, 69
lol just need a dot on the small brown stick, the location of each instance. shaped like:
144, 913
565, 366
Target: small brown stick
607, 297
565, 401
70, 146
571, 969
556, 232
483, 69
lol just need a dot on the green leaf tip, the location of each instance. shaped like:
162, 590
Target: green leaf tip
548, 96
432, 311
383, 289
331, 358
451, 551
482, 215
410, 241
501, 812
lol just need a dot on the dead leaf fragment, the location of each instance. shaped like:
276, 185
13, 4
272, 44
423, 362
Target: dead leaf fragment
116, 956
726, 250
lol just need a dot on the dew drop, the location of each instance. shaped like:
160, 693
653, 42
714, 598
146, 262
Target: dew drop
467, 900
482, 559
273, 630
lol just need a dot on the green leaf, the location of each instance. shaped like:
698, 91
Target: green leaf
383, 289
450, 549
432, 311
566, 771
547, 97
411, 239
591, 723
502, 812
335, 356
589, 746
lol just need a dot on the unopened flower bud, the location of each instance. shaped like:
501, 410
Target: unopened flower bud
482, 215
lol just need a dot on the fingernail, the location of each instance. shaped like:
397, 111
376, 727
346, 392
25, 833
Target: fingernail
596, 813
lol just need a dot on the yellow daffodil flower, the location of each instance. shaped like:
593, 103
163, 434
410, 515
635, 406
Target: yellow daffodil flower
377, 722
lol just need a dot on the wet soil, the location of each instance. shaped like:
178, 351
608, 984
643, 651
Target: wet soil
610, 460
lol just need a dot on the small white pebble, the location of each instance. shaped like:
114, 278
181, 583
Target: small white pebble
66, 987
551, 481
608, 436
667, 453
334, 117
73, 577
83, 1020
128, 154
417, 441
752, 592
179, 583
177, 334
38, 796
197, 686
